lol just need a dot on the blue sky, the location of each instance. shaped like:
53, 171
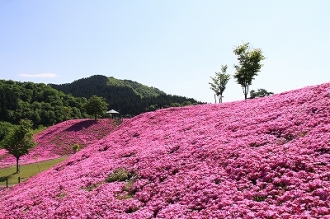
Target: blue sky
173, 45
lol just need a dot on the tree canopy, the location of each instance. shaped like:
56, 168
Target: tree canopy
19, 140
40, 103
127, 97
96, 106
219, 82
248, 65
46, 105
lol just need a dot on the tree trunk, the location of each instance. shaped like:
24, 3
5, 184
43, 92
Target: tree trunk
17, 166
246, 91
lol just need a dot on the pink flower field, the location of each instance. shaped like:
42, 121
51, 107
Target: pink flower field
260, 158
57, 140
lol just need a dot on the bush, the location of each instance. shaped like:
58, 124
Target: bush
76, 147
120, 175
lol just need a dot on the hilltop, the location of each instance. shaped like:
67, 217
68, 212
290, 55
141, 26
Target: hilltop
126, 96
81, 87
261, 158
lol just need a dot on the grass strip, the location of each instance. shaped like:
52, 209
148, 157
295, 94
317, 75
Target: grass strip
26, 171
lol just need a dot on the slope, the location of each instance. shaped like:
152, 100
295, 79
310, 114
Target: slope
260, 158
142, 90
59, 140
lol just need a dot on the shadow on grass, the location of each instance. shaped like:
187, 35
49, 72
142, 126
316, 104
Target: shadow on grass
81, 125
3, 178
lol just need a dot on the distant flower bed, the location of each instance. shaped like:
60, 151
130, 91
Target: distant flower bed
261, 158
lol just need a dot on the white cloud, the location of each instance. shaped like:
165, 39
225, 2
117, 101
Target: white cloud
43, 75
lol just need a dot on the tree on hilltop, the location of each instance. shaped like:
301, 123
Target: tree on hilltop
248, 65
219, 82
19, 140
96, 106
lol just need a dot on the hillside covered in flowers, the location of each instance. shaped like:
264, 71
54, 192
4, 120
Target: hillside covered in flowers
259, 158
60, 139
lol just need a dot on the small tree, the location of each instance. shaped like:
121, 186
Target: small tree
96, 106
259, 93
66, 112
248, 66
219, 82
19, 140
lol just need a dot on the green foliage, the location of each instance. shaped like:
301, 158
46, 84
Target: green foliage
259, 198
248, 65
76, 147
123, 175
187, 103
259, 93
8, 101
96, 106
46, 105
19, 140
90, 187
120, 175
139, 89
66, 112
5, 128
175, 104
125, 96
38, 102
219, 82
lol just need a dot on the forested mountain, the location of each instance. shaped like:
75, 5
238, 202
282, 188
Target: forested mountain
50, 104
38, 102
141, 90
128, 97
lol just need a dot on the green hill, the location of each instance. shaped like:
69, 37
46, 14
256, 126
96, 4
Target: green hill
38, 102
139, 89
50, 104
126, 96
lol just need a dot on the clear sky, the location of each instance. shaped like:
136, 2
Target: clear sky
173, 45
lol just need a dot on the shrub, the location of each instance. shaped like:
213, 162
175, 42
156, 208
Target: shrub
120, 175
76, 147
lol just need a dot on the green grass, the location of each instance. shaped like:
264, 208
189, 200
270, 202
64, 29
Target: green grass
26, 171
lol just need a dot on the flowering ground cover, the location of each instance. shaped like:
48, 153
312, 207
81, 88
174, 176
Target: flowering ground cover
260, 158
59, 140
3, 152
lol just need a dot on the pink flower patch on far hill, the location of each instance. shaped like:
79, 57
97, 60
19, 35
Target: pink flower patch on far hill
58, 140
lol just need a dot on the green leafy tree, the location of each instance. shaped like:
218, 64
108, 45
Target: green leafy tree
219, 82
248, 65
4, 130
19, 140
96, 106
259, 93
8, 101
66, 112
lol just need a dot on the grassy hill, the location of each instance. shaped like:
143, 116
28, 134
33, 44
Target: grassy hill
262, 158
